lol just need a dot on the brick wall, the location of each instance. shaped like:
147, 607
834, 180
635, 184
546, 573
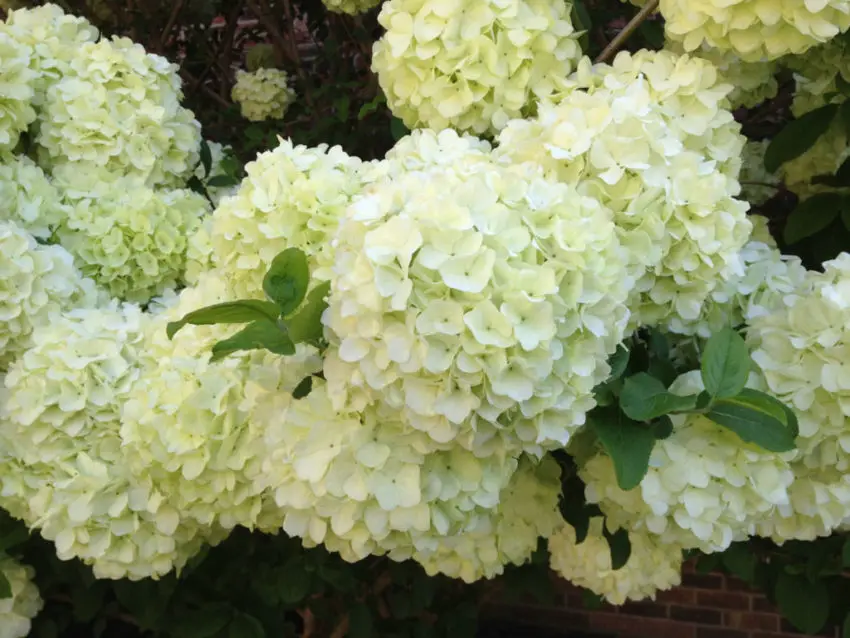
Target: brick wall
704, 606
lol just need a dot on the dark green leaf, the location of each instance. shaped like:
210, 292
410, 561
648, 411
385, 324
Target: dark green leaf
659, 345
590, 600
398, 129
804, 603
228, 312
371, 106
845, 553
757, 418
725, 364
303, 388
245, 626
87, 601
845, 630
287, 279
798, 136
707, 563
13, 537
222, 181
294, 581
662, 427
653, 33
618, 362
812, 216
645, 398
740, 561
206, 157
629, 444
663, 370
201, 623
262, 334
341, 107
620, 546
306, 325
5, 587
360, 623
845, 215
196, 186
844, 110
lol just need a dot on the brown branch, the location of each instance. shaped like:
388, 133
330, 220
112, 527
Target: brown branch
188, 77
172, 19
309, 623
341, 629
627, 31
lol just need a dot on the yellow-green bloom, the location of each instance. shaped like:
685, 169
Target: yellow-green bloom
18, 610
263, 94
351, 7
16, 90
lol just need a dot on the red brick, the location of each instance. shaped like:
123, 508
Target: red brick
760, 603
679, 595
701, 615
648, 609
632, 627
712, 632
736, 584
723, 600
703, 581
749, 620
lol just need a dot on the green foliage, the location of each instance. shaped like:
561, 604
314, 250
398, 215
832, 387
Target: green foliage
798, 136
627, 442
757, 418
814, 215
725, 364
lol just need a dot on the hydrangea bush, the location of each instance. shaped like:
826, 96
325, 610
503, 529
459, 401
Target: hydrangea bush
560, 324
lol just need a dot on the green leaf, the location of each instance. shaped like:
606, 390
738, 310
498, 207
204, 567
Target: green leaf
287, 279
360, 622
13, 537
756, 418
227, 312
304, 387
618, 362
812, 216
844, 109
295, 581
262, 334
740, 561
845, 553
629, 444
87, 601
196, 185
659, 345
341, 105
645, 398
306, 325
206, 157
798, 136
371, 106
804, 603
245, 626
725, 364
222, 181
662, 427
653, 33
201, 623
620, 547
5, 587
398, 129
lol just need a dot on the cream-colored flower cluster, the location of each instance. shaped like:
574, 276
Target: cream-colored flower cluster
650, 137
18, 610
263, 94
351, 7
29, 198
16, 80
472, 65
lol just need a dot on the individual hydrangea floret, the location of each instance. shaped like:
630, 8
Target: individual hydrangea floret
480, 300
650, 136
132, 239
653, 566
18, 610
293, 196
16, 90
28, 198
64, 469
118, 108
472, 65
351, 7
263, 94
36, 283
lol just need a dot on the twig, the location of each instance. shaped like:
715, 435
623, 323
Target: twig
188, 77
309, 623
175, 12
627, 31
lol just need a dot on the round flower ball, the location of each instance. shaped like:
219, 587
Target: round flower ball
653, 566
651, 138
753, 30
263, 94
292, 196
351, 7
187, 423
18, 610
132, 239
117, 108
480, 300
16, 80
472, 66
28, 198
36, 283
64, 469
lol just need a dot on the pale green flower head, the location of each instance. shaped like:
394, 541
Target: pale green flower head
36, 283
130, 238
118, 108
351, 7
817, 74
653, 566
263, 94
651, 138
65, 473
472, 65
28, 198
16, 90
480, 300
18, 610
293, 196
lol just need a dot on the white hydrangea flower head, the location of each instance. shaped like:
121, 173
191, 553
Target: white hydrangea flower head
55, 39
351, 7
650, 137
65, 472
220, 155
753, 174
480, 300
118, 107
28, 198
365, 483
187, 423
802, 350
653, 566
768, 279
18, 610
474, 65
36, 283
199, 252
130, 238
16, 90
755, 31
705, 487
263, 94
292, 196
